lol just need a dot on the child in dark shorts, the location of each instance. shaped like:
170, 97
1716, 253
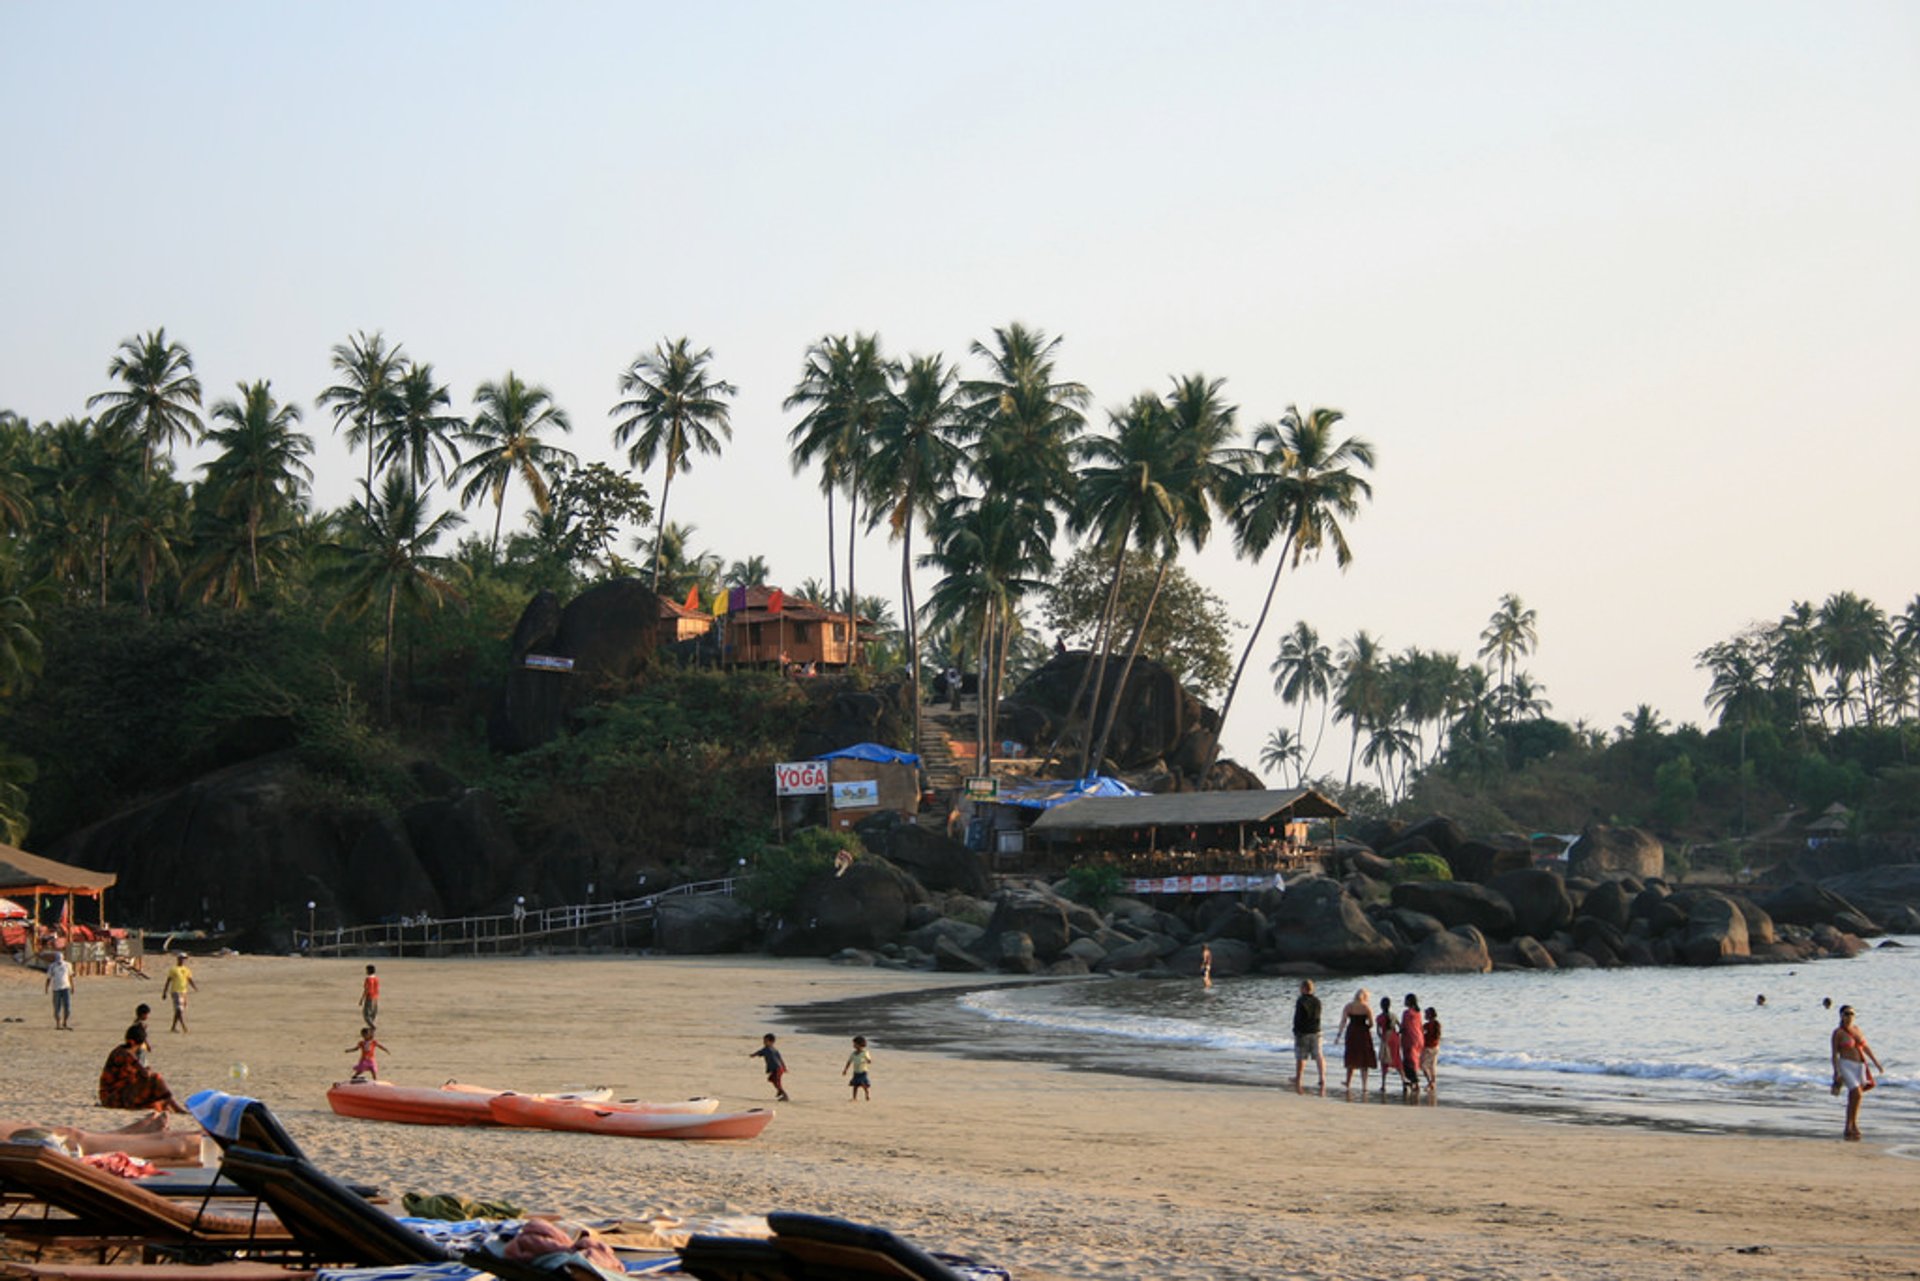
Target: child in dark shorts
776, 1066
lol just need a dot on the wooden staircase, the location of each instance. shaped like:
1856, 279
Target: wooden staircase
946, 773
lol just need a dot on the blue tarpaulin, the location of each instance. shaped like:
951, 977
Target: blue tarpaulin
1047, 793
871, 752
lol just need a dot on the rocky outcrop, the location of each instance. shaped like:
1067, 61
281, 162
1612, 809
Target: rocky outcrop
702, 926
1456, 951
1608, 901
1315, 920
1879, 891
1539, 900
937, 863
1488, 857
1038, 913
1716, 928
1457, 904
1804, 903
610, 631
1603, 851
1159, 723
864, 908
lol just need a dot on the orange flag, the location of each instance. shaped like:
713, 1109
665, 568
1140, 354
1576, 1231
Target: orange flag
693, 597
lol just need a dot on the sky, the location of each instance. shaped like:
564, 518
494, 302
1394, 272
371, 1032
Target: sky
1623, 295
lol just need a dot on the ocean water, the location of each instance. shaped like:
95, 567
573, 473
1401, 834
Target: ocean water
1670, 1048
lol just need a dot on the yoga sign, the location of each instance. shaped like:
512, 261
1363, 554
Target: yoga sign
800, 778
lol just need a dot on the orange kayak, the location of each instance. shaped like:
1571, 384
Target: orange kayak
451, 1104
628, 1120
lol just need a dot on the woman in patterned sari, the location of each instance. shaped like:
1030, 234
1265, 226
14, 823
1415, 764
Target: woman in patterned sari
125, 1083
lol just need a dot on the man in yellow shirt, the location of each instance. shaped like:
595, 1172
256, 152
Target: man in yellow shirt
179, 983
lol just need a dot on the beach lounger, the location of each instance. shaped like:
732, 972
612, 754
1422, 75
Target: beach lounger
811, 1247
328, 1220
16, 1270
107, 1206
235, 1120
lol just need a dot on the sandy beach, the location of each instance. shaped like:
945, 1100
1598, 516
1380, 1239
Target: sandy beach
1050, 1173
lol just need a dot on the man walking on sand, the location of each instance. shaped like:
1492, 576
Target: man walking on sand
1306, 1036
60, 984
179, 983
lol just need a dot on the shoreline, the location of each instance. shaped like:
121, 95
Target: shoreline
1052, 1174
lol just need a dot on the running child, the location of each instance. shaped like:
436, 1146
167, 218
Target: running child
857, 1064
776, 1066
366, 1067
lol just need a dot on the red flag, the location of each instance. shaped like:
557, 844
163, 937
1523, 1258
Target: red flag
693, 597
776, 599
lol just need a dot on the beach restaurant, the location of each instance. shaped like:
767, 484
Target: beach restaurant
1183, 833
24, 875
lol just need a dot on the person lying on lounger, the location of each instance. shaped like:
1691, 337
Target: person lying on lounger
146, 1138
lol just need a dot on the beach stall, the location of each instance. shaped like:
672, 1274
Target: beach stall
998, 825
1191, 831
867, 779
30, 878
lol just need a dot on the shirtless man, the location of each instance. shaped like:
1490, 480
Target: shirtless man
1851, 1053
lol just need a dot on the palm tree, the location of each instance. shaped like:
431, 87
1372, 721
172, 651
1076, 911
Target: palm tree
1197, 424
670, 548
912, 461
846, 387
96, 479
155, 519
16, 771
1281, 752
390, 561
751, 572
418, 435
505, 436
1363, 695
1853, 636
1510, 635
154, 402
21, 656
1738, 693
367, 394
1304, 673
1293, 485
16, 457
1793, 652
259, 470
674, 410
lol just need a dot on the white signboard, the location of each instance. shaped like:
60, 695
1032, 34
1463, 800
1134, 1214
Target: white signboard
800, 778
547, 663
863, 794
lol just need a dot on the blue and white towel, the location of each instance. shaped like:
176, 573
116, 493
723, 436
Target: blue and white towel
467, 1234
219, 1112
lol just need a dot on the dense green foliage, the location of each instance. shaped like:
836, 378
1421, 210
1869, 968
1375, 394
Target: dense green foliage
1419, 867
779, 871
1093, 883
1186, 633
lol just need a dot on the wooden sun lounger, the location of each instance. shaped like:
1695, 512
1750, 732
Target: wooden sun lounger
810, 1247
326, 1219
108, 1206
14, 1270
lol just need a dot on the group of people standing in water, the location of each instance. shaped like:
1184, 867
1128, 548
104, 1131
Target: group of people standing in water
1409, 1047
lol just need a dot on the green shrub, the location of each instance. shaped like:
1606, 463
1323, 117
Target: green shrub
1419, 867
1093, 883
781, 870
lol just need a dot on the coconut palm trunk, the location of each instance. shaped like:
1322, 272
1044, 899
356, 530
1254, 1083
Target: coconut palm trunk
1097, 669
1133, 652
660, 529
1239, 670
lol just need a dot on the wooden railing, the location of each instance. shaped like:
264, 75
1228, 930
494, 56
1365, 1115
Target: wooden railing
505, 932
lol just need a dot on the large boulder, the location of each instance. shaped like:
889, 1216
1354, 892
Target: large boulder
1441, 832
1457, 904
843, 716
1533, 954
702, 925
1036, 912
1879, 892
1455, 951
1716, 928
610, 632
465, 843
1608, 901
1158, 721
937, 863
1759, 924
1315, 920
240, 845
1539, 900
1603, 851
1804, 903
1483, 859
864, 908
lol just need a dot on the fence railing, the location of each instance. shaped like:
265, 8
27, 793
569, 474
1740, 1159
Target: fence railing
503, 932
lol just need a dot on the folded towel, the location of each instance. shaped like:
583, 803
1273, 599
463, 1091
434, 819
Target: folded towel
219, 1112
